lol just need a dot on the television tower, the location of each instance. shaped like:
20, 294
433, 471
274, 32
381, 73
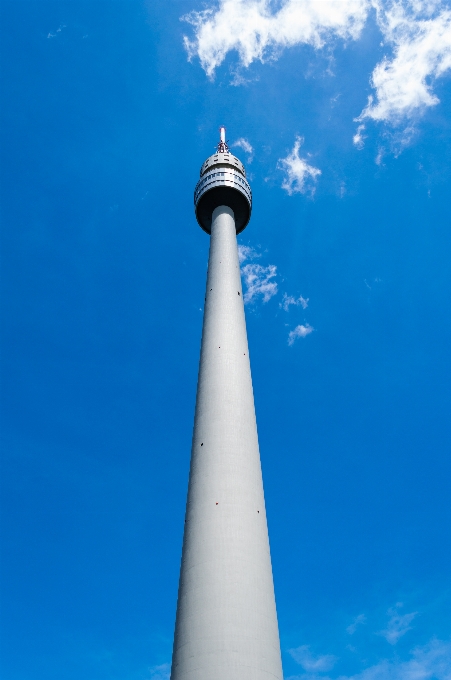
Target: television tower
226, 624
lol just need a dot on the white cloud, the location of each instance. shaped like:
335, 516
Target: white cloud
305, 658
380, 155
243, 143
398, 625
300, 176
417, 34
429, 662
258, 281
247, 253
359, 138
255, 31
399, 139
289, 300
58, 30
351, 629
422, 53
299, 332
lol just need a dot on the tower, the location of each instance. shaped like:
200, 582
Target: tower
226, 624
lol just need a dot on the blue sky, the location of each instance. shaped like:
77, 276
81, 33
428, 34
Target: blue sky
108, 111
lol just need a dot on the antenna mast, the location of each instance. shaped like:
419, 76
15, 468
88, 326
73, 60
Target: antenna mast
222, 146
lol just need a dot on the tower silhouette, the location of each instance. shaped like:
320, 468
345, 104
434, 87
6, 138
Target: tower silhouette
226, 624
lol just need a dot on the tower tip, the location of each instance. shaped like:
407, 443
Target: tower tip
222, 146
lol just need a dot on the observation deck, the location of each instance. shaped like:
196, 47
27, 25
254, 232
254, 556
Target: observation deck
223, 182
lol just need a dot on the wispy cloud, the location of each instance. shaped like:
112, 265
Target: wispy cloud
300, 331
432, 661
429, 662
289, 300
398, 624
300, 175
257, 32
351, 629
259, 282
380, 156
303, 656
161, 672
416, 33
247, 253
58, 30
244, 144
258, 279
420, 33
359, 138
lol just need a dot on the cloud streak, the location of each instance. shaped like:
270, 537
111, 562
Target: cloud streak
416, 32
398, 625
247, 253
351, 629
257, 33
289, 300
311, 663
244, 144
259, 282
421, 54
300, 176
429, 662
300, 331
433, 661
161, 672
359, 138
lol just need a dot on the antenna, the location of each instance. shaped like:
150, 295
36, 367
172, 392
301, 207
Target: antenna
222, 146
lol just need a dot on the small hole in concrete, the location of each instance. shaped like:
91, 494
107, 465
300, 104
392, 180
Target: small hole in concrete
202, 444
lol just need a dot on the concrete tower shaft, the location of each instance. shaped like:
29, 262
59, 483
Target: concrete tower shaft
226, 625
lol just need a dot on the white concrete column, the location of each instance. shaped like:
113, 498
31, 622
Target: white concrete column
226, 626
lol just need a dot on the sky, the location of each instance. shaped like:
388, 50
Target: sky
341, 112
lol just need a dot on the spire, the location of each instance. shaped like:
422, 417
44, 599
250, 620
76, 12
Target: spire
222, 146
